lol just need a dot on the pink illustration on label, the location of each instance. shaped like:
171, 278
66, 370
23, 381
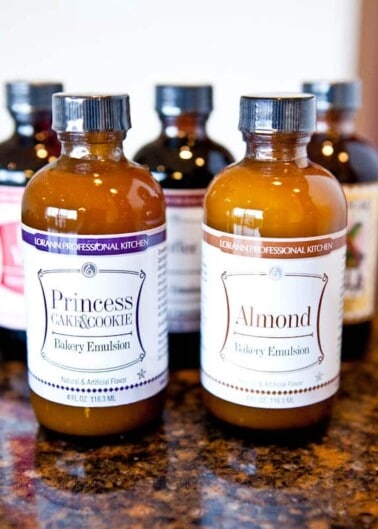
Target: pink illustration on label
12, 275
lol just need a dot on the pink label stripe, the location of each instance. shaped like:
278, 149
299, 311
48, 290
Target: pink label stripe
184, 199
11, 195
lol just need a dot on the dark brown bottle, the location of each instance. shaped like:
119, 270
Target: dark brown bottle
32, 145
354, 162
184, 160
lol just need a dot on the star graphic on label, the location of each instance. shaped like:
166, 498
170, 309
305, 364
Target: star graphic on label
319, 376
142, 374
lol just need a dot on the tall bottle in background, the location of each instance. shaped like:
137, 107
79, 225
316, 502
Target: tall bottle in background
354, 162
184, 160
32, 145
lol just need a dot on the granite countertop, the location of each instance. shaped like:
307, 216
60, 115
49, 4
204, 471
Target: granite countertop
189, 471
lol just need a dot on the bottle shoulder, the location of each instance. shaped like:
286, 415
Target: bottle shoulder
92, 173
351, 159
265, 172
97, 198
277, 199
22, 153
183, 163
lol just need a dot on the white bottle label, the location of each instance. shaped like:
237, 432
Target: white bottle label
12, 303
184, 220
362, 252
271, 318
96, 312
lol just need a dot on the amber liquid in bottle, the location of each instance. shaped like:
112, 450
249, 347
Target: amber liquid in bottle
32, 145
353, 161
93, 189
183, 157
274, 192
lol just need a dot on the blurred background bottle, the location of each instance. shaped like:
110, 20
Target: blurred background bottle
32, 145
184, 160
354, 161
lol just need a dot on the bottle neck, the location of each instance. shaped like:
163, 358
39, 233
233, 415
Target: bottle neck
37, 124
277, 147
184, 125
336, 122
98, 146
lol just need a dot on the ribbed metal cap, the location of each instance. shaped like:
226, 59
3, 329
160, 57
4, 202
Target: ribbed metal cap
343, 95
25, 97
86, 113
173, 100
277, 113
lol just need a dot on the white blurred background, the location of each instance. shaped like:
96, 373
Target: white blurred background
239, 46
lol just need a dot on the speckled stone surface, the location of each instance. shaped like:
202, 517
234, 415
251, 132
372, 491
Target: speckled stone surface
189, 471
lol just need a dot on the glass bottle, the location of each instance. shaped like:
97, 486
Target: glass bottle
273, 259
30, 147
354, 161
93, 227
184, 160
